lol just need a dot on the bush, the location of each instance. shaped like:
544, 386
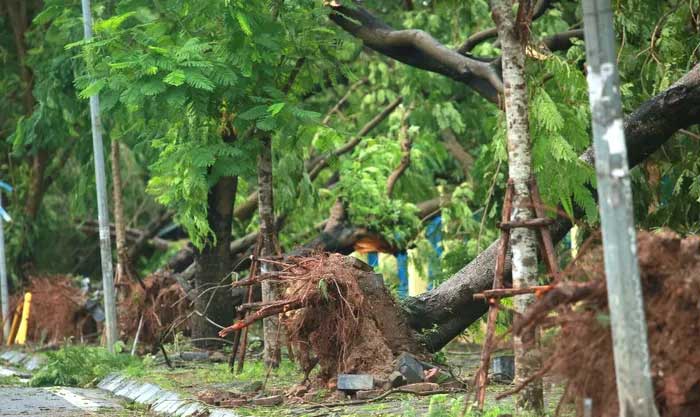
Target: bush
80, 366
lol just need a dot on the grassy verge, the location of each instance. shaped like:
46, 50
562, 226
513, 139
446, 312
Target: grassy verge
81, 366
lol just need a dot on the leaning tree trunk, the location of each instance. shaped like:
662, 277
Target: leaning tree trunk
214, 301
271, 332
523, 240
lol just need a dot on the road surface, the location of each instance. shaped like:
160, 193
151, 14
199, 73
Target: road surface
23, 401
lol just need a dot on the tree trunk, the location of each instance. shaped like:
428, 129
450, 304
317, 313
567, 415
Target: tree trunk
123, 272
523, 240
266, 207
213, 265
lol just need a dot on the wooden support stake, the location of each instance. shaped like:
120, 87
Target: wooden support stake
509, 292
545, 236
481, 378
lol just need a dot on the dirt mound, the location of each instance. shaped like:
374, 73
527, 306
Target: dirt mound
57, 311
337, 310
581, 352
163, 304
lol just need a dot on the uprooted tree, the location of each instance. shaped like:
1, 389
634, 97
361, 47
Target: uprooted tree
189, 87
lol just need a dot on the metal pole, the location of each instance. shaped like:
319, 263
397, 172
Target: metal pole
4, 292
102, 213
629, 329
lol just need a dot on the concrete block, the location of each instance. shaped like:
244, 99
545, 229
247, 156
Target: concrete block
355, 382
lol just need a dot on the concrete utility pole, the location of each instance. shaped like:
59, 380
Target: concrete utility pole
629, 328
4, 291
102, 213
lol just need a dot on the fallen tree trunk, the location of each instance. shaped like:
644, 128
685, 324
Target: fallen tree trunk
443, 313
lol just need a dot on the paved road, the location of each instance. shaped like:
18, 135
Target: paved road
54, 401
58, 402
23, 401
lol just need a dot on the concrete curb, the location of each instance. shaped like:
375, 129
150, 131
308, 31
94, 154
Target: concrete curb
29, 361
160, 401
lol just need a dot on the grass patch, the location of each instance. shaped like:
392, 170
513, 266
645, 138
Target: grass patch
81, 366
10, 381
202, 376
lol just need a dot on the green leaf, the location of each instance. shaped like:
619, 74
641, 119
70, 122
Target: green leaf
175, 78
253, 113
198, 80
275, 108
112, 23
243, 21
92, 89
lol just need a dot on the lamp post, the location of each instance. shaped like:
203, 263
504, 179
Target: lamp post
629, 328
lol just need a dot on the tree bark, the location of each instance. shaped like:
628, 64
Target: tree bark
213, 270
123, 272
271, 331
523, 240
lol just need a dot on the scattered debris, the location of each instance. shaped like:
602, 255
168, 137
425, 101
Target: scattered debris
410, 368
347, 382
420, 387
269, 401
396, 379
366, 395
502, 369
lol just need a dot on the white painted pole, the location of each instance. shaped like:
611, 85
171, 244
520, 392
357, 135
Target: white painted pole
629, 327
103, 214
4, 291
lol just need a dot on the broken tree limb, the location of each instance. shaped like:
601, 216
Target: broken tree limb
444, 312
417, 49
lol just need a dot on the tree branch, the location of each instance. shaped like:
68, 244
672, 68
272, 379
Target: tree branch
540, 7
316, 164
562, 41
406, 144
444, 312
321, 162
465, 160
418, 49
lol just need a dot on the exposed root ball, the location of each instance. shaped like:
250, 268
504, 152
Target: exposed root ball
582, 350
336, 309
162, 304
56, 311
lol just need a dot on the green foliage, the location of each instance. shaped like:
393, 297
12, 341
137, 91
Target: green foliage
177, 78
80, 366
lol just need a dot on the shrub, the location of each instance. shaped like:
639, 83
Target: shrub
80, 366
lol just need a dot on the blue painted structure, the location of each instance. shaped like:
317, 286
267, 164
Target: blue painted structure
434, 235
402, 268
373, 259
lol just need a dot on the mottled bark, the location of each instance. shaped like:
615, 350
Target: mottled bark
271, 331
123, 272
523, 240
